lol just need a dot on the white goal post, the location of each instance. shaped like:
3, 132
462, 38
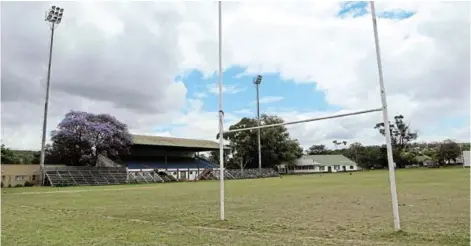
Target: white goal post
384, 109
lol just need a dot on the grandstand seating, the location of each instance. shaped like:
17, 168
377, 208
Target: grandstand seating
67, 176
70, 176
238, 174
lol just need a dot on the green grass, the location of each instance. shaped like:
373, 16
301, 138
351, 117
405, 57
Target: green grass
332, 209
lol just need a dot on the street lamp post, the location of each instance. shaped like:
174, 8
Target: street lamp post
257, 81
53, 18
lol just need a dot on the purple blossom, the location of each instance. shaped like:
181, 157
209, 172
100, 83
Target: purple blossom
80, 137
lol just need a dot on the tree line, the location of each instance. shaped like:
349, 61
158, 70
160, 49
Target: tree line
278, 147
81, 137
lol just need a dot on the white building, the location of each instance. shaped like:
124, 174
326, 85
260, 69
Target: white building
320, 164
466, 156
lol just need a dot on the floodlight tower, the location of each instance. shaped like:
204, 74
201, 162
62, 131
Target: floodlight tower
257, 81
53, 18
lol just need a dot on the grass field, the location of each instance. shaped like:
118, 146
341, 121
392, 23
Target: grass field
332, 209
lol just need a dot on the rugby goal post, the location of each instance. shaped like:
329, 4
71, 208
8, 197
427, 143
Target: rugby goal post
384, 109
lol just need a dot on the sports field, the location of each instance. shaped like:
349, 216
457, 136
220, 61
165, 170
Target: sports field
330, 209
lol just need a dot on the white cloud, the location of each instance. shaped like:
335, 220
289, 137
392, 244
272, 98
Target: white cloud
125, 64
243, 111
269, 99
200, 95
227, 89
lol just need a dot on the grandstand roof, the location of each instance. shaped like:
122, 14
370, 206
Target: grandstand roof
175, 142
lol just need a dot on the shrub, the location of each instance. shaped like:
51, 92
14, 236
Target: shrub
18, 185
9, 185
29, 184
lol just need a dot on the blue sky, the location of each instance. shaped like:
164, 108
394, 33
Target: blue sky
241, 93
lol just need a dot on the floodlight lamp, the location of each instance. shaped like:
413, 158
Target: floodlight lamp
62, 10
258, 80
53, 7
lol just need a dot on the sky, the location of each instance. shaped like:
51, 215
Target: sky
154, 66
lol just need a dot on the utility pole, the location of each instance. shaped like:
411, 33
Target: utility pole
257, 81
53, 18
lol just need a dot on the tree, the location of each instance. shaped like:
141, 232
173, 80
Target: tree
241, 158
401, 136
336, 143
8, 156
214, 156
317, 150
448, 151
36, 158
277, 146
80, 137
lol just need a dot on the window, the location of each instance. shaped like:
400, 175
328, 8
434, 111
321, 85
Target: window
20, 177
351, 167
191, 172
321, 168
34, 177
3, 177
174, 173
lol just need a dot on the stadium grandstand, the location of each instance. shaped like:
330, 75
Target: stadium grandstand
152, 159
176, 157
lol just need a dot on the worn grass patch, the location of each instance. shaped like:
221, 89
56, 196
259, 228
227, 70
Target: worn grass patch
333, 209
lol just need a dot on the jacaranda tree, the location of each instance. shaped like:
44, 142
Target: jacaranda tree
80, 137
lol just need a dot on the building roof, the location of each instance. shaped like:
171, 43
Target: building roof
175, 142
324, 160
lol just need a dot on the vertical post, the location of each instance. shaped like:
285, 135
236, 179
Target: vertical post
258, 130
392, 175
46, 106
221, 120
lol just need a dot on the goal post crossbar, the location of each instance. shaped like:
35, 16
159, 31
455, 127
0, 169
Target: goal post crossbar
307, 120
384, 109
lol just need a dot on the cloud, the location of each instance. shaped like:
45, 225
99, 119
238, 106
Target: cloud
200, 95
269, 99
105, 63
243, 111
228, 89
125, 64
